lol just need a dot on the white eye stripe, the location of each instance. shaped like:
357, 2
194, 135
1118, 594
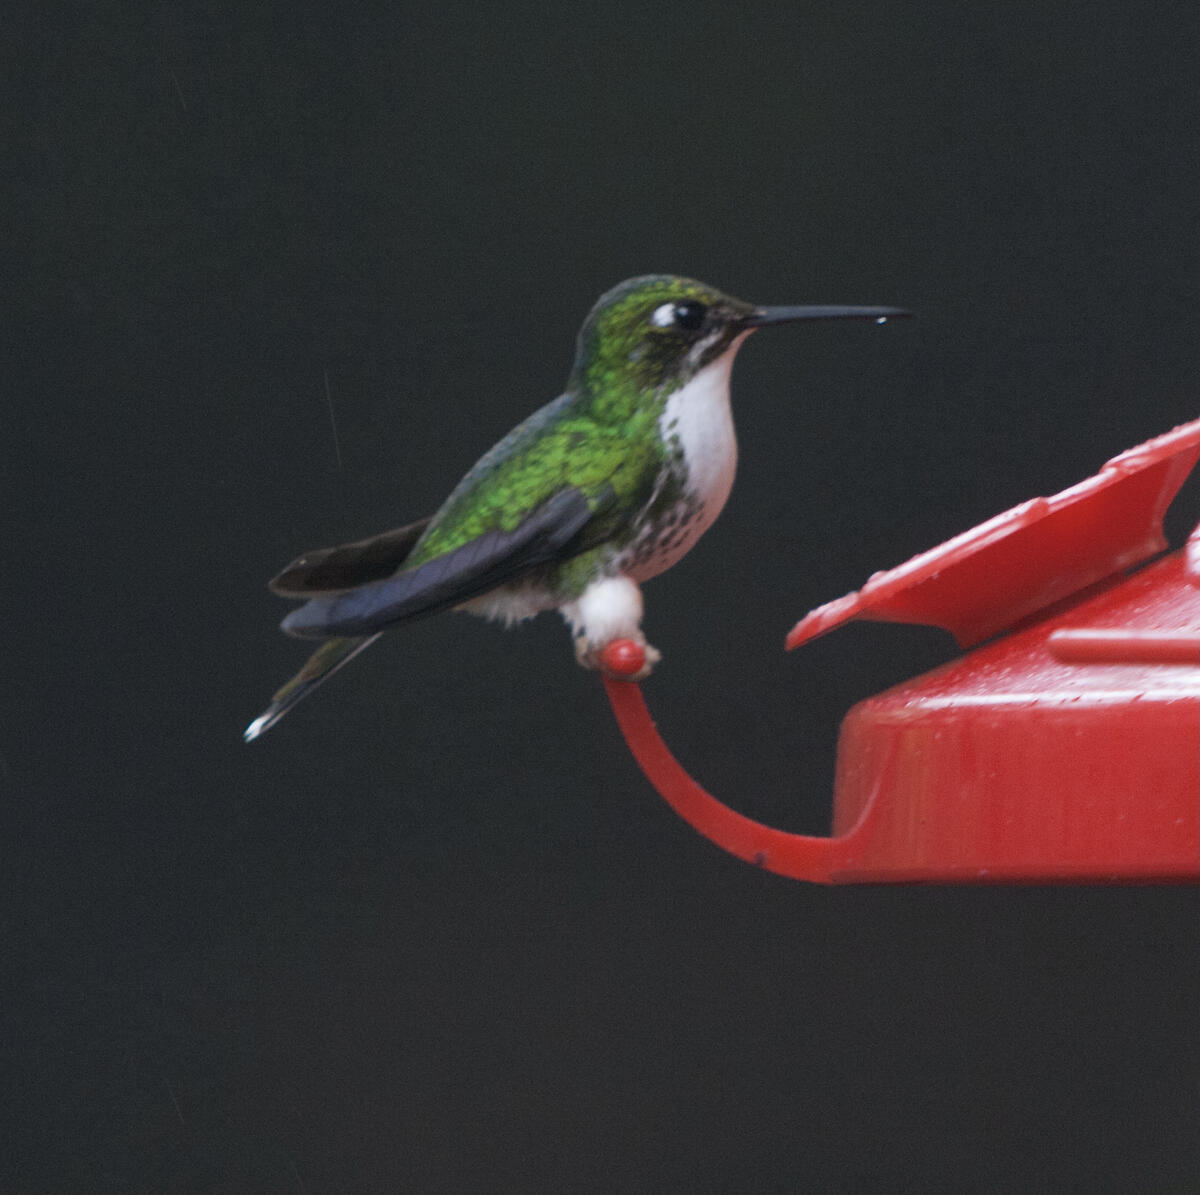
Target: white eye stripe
697, 351
664, 316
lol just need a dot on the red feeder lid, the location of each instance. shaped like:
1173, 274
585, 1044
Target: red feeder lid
1067, 750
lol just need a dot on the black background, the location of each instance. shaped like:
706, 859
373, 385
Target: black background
435, 932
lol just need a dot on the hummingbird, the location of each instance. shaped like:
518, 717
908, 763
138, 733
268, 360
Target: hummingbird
603, 488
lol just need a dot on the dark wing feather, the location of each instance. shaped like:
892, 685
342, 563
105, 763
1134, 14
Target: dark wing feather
550, 533
333, 570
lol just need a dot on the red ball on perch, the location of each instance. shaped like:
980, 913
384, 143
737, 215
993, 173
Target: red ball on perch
623, 658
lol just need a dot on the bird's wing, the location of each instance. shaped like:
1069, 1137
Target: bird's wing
552, 531
347, 566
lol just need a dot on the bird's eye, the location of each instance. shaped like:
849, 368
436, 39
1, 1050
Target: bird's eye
688, 315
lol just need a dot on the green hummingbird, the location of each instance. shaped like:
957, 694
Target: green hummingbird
596, 492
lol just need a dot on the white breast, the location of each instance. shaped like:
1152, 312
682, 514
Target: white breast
698, 416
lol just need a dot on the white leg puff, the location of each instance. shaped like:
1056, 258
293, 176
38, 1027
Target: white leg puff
610, 608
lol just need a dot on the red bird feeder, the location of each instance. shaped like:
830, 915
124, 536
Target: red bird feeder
1065, 749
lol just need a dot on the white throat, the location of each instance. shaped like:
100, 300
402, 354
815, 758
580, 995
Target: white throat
698, 413
697, 418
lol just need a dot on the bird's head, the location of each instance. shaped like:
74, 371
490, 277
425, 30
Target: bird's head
655, 333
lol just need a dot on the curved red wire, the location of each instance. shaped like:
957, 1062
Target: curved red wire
797, 856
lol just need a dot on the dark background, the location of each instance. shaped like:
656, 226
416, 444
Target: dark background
435, 932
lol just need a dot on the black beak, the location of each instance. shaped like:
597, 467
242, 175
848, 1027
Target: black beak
790, 315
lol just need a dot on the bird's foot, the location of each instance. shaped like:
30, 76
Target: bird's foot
628, 658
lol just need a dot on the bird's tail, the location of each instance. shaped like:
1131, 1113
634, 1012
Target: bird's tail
322, 664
